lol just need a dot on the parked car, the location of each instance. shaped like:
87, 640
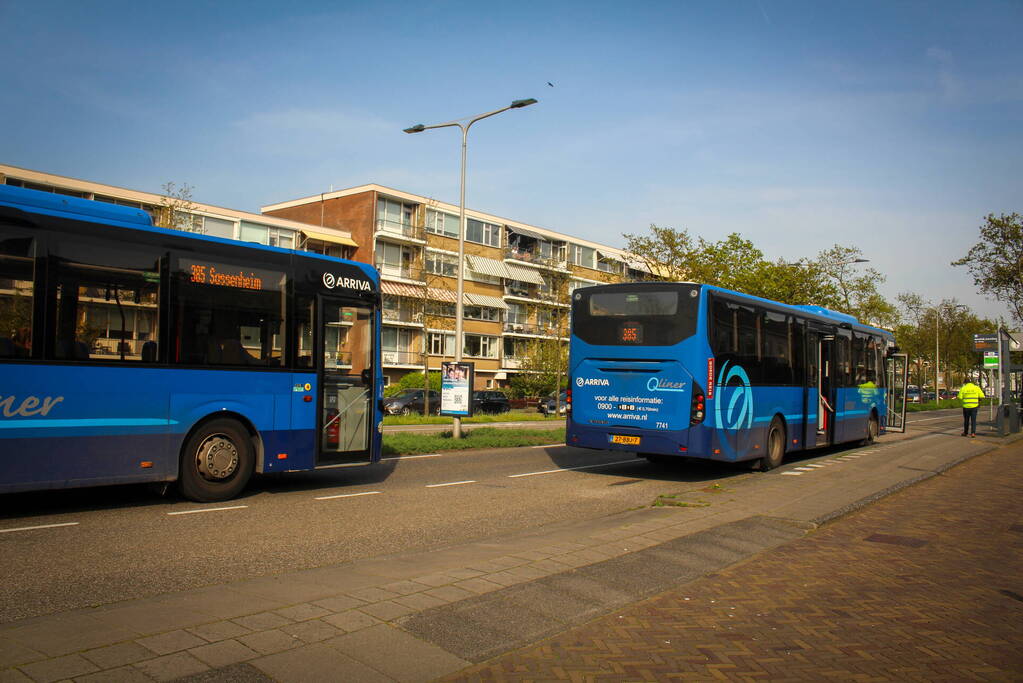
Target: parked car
410, 401
490, 402
547, 405
913, 395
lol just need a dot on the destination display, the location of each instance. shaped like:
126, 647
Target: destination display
223, 275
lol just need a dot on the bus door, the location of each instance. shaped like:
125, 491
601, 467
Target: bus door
820, 399
896, 371
345, 414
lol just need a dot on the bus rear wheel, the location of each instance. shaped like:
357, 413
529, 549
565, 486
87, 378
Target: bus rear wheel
217, 462
775, 447
873, 430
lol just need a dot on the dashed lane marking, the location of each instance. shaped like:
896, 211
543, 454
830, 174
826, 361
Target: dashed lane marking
412, 457
549, 445
793, 474
193, 512
349, 495
450, 483
568, 469
33, 528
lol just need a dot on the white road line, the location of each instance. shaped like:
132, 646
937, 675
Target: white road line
413, 457
930, 419
349, 495
815, 465
793, 474
192, 512
550, 445
450, 483
848, 456
33, 528
568, 469
804, 469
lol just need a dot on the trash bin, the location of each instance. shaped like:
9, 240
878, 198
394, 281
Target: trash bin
1007, 419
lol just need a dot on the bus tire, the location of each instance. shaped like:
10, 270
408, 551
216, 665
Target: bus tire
873, 429
217, 462
774, 450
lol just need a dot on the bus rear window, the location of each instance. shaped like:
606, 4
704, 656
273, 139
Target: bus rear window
635, 315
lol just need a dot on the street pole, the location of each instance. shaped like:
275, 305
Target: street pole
456, 427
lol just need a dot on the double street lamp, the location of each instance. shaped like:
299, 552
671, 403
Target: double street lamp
419, 128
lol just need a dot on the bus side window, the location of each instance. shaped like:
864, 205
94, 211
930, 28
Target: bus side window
17, 268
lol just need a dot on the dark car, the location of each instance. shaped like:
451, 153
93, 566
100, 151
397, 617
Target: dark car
490, 402
547, 405
410, 401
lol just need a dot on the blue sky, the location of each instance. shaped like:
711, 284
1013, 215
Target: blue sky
890, 126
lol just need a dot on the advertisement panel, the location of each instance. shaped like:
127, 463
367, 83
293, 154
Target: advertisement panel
456, 382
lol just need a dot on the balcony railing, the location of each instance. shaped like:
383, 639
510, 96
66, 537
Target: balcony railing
531, 256
530, 328
406, 230
402, 271
401, 357
402, 315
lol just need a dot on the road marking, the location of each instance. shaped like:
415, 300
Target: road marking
33, 528
814, 465
413, 457
931, 419
804, 469
794, 474
450, 483
550, 445
568, 469
349, 495
192, 512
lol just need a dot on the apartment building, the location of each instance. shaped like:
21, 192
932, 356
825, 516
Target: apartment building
518, 278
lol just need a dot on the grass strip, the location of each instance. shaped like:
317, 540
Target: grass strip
511, 416
410, 443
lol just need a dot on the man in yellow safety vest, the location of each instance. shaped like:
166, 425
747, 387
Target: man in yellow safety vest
970, 395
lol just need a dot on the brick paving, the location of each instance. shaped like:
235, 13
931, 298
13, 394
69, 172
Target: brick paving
925, 585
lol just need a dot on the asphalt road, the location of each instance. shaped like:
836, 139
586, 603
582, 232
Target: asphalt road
68, 549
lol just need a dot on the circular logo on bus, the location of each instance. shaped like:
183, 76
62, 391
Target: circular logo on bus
733, 409
329, 280
579, 381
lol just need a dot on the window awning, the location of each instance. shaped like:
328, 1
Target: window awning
484, 300
523, 274
608, 255
328, 237
528, 233
402, 289
438, 294
487, 266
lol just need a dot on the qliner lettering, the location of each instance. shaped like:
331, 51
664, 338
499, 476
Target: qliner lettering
29, 406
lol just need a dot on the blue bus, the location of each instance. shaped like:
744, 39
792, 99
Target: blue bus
671, 369
130, 353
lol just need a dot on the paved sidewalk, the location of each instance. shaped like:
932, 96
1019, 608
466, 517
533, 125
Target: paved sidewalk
420, 616
925, 585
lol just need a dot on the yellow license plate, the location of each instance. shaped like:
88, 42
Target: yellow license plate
623, 439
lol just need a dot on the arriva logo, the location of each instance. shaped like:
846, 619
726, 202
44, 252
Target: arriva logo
331, 281
587, 382
733, 410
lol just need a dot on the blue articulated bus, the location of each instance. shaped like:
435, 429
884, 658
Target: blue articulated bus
130, 353
671, 369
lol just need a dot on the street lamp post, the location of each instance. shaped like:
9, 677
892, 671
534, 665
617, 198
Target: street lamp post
456, 430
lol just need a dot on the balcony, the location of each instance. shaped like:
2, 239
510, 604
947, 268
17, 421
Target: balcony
400, 231
530, 329
532, 256
401, 358
402, 271
405, 315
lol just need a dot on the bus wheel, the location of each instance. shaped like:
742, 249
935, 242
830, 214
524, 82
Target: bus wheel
775, 446
873, 429
217, 462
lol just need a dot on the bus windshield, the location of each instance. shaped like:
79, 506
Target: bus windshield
626, 315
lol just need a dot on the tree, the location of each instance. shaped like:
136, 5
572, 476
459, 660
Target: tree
176, 207
996, 262
857, 294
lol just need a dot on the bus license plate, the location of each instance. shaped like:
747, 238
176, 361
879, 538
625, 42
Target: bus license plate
623, 439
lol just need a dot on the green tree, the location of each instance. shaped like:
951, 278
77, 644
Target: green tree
414, 380
996, 262
176, 207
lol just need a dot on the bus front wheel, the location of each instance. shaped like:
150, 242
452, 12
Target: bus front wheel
217, 462
775, 451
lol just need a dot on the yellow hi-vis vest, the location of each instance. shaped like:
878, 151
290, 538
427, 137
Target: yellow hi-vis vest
970, 395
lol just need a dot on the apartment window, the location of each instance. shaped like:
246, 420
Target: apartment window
441, 264
441, 344
515, 348
481, 313
582, 256
518, 314
394, 259
394, 216
482, 233
609, 265
395, 339
218, 227
480, 346
441, 309
441, 223
269, 235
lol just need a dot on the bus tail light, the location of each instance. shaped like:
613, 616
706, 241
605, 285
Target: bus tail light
568, 399
698, 408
